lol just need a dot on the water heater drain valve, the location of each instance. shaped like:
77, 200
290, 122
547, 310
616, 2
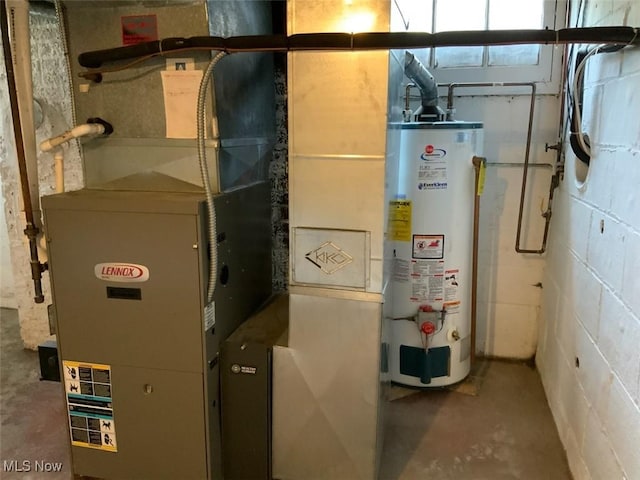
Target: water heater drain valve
453, 335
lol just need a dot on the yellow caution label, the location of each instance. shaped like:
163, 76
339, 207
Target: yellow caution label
399, 224
90, 405
481, 177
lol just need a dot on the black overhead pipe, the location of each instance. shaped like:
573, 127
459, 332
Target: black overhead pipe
361, 41
31, 230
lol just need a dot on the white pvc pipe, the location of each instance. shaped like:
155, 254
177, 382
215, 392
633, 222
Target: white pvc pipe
18, 14
59, 169
76, 132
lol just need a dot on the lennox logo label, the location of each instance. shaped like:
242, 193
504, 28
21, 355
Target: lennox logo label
121, 272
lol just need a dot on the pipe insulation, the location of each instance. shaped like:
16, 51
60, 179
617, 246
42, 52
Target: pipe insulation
363, 41
20, 43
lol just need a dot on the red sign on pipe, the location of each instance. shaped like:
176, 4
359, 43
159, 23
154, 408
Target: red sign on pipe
138, 29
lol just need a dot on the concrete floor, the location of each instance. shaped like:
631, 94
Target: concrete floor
506, 432
32, 412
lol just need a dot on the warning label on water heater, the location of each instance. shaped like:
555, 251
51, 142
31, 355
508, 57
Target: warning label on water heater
452, 286
399, 221
427, 281
89, 405
429, 247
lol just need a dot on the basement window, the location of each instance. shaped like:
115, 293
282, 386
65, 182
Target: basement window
508, 63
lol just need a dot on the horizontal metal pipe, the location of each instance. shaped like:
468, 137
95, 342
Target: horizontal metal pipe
526, 165
363, 41
453, 86
517, 164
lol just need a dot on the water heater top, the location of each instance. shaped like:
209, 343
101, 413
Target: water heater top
438, 125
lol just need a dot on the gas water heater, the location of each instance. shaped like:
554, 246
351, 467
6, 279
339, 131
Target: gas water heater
431, 222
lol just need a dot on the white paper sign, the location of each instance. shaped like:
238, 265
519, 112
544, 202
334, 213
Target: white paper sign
180, 89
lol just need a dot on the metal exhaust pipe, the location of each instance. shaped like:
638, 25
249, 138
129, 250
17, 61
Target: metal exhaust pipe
426, 84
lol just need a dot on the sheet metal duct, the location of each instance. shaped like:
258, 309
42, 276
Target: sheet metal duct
133, 102
328, 383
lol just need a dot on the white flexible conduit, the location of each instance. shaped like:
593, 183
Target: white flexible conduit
204, 168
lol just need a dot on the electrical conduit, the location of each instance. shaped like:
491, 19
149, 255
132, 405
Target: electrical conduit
204, 168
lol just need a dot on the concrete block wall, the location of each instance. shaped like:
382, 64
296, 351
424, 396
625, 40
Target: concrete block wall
588, 354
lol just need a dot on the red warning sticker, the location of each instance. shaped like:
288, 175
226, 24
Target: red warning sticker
138, 29
428, 247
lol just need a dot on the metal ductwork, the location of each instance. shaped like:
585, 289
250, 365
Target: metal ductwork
425, 82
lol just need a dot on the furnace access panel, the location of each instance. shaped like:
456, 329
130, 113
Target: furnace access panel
139, 357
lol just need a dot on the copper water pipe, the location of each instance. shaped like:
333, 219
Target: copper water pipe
477, 164
31, 231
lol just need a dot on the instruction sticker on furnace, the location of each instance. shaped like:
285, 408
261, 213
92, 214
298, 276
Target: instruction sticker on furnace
89, 405
428, 247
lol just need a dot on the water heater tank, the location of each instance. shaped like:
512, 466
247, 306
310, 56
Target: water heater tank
431, 225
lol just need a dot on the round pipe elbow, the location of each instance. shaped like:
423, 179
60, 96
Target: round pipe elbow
423, 80
76, 132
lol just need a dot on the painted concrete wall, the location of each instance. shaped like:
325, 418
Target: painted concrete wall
50, 90
7, 295
588, 354
508, 295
